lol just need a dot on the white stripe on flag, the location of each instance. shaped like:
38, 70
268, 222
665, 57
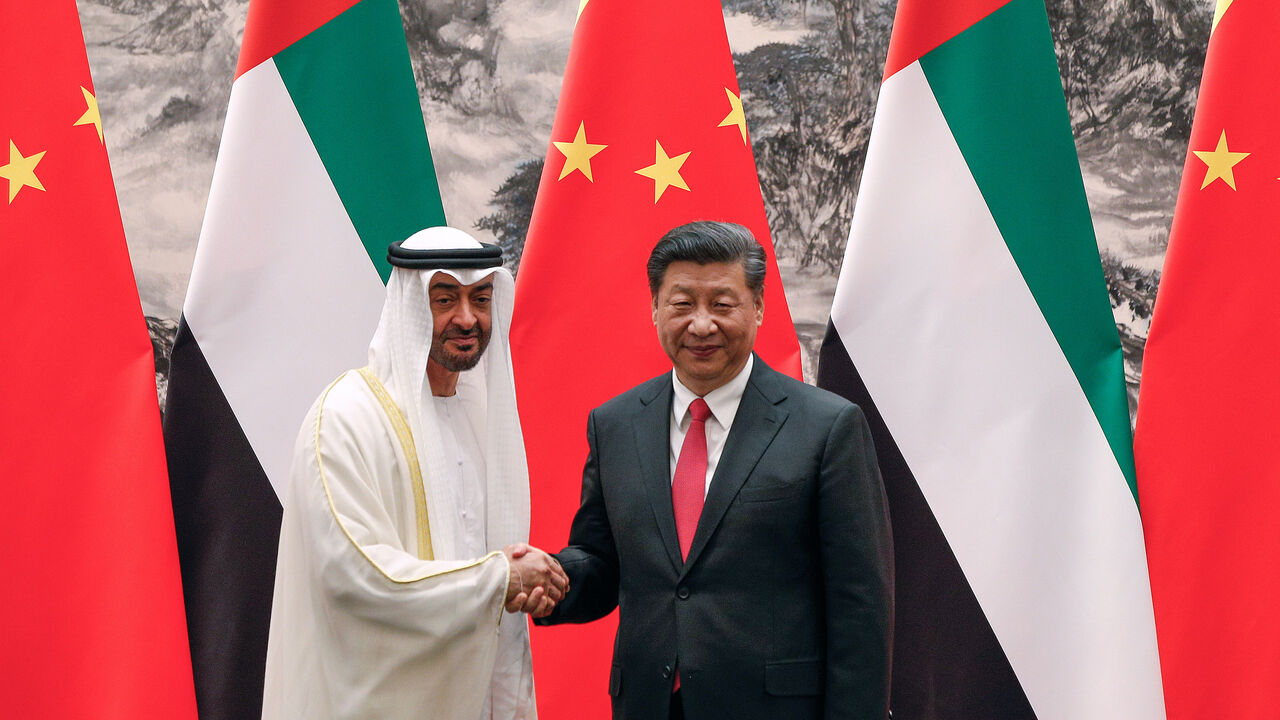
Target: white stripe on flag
283, 296
992, 422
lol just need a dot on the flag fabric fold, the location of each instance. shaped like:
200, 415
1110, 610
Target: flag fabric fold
93, 624
649, 133
971, 322
324, 160
1207, 460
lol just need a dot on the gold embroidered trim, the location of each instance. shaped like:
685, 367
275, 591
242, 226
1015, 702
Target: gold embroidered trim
324, 482
405, 436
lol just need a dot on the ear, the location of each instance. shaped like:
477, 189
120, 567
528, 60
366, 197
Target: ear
655, 310
759, 309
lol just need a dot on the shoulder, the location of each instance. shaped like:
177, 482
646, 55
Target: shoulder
630, 402
345, 391
798, 396
344, 403
346, 424
330, 426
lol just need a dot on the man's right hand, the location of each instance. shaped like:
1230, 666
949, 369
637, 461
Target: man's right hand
536, 582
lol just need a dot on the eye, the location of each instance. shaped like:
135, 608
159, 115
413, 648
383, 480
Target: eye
483, 300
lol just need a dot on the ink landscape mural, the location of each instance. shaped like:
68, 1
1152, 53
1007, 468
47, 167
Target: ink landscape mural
488, 74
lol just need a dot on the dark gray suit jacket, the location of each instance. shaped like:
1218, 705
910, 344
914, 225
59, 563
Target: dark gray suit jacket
784, 607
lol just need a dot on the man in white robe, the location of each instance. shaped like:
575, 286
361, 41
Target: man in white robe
404, 525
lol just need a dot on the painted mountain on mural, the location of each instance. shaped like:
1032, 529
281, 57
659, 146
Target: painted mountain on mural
488, 74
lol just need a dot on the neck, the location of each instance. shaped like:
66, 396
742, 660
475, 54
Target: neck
699, 388
444, 383
703, 387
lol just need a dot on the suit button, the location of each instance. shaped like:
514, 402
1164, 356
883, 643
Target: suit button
682, 593
666, 672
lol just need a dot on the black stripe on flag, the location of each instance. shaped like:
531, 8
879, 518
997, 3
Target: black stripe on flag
227, 519
947, 662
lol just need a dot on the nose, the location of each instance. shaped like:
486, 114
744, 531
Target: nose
465, 317
702, 323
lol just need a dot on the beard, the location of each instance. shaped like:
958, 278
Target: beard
458, 362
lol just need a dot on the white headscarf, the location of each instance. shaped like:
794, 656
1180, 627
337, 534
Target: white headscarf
398, 356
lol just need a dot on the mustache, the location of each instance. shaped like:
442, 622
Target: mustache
458, 333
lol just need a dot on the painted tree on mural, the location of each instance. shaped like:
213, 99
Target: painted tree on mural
514, 203
810, 109
1130, 69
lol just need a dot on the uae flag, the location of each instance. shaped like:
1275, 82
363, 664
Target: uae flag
92, 623
324, 161
971, 322
649, 134
1207, 455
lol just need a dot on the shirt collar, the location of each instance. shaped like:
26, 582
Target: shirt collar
723, 401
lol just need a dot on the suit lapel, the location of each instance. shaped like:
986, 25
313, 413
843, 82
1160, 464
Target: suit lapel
653, 442
754, 427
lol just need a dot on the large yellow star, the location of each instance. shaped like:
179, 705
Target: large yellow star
578, 154
736, 116
582, 5
91, 115
21, 171
665, 171
1220, 161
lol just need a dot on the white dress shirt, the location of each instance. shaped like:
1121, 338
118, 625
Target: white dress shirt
464, 475
462, 478
464, 470
723, 402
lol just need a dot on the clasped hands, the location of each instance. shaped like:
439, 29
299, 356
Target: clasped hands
536, 583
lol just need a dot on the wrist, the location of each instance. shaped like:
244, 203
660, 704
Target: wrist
515, 579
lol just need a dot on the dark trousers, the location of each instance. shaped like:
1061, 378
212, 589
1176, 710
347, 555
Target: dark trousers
677, 708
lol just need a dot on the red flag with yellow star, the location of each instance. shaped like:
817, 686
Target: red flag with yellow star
649, 134
1208, 462
93, 621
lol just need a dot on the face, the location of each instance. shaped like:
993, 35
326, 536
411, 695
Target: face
462, 317
707, 319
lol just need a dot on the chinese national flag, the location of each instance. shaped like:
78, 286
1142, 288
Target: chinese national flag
649, 134
1207, 451
93, 623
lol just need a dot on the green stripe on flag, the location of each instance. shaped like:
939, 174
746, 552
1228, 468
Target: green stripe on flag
353, 86
998, 86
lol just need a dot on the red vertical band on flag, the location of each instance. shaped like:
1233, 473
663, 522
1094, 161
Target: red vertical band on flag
273, 25
93, 623
920, 26
649, 134
1207, 459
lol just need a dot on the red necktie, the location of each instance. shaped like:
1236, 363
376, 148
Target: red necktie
689, 484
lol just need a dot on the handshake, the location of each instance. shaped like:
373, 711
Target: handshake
536, 583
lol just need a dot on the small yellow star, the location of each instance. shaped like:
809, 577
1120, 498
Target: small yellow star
578, 154
1220, 161
91, 115
665, 171
736, 116
21, 171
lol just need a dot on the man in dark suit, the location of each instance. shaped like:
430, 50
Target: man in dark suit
735, 517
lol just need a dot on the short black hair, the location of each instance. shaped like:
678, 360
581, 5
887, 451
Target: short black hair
704, 242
